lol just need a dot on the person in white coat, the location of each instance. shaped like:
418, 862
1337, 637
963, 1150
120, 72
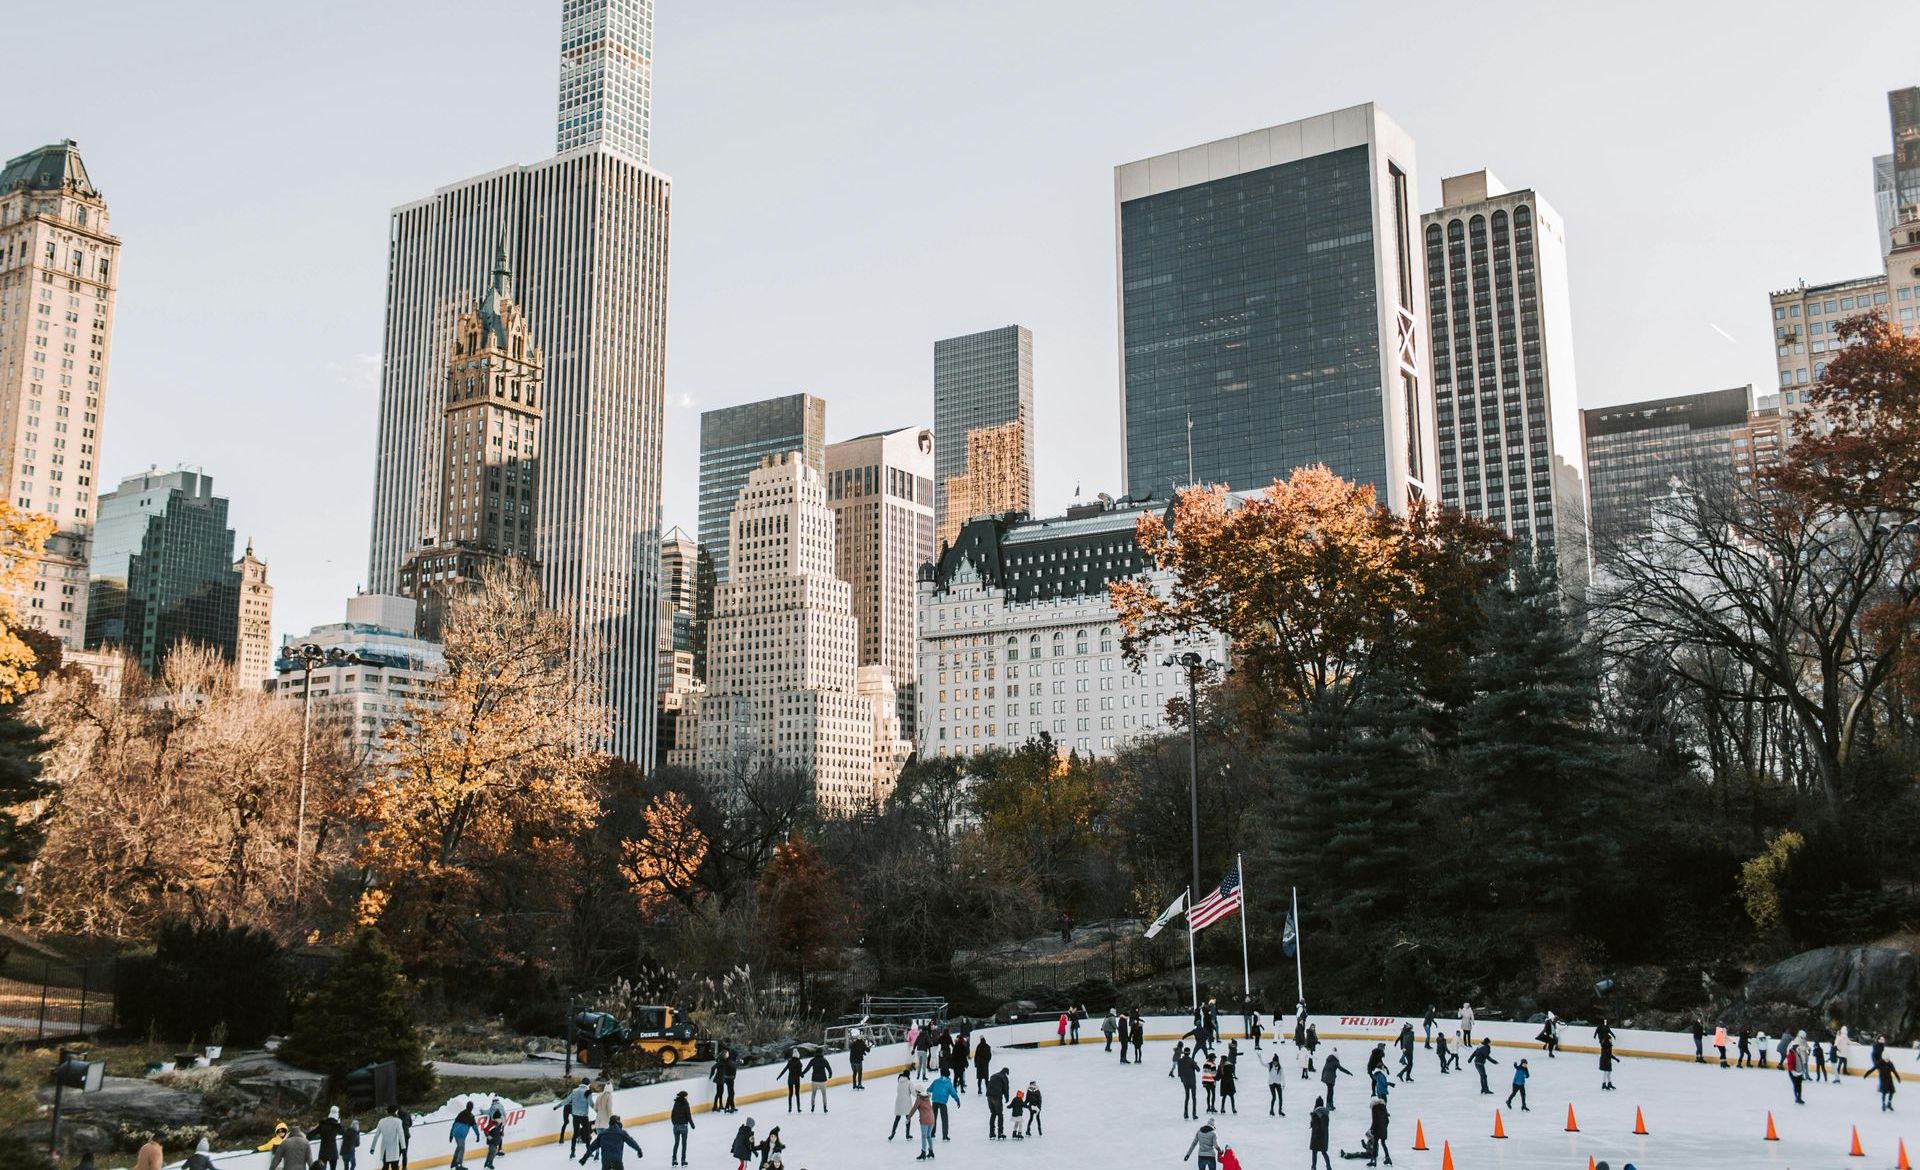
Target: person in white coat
1466, 1024
603, 1104
389, 1140
902, 1104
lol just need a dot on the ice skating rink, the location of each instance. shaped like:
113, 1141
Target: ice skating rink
1101, 1114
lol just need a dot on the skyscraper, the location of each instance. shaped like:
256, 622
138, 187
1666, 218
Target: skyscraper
606, 76
587, 240
734, 441
1636, 449
253, 648
784, 685
489, 453
982, 426
1896, 175
1271, 311
679, 564
880, 488
163, 570
1505, 408
58, 271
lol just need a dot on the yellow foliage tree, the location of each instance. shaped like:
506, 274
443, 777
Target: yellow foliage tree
661, 864
23, 535
1761, 877
489, 782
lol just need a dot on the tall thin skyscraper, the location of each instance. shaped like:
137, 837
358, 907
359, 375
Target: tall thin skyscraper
1271, 314
982, 426
58, 270
587, 238
679, 561
880, 488
606, 76
1505, 408
253, 653
734, 442
163, 570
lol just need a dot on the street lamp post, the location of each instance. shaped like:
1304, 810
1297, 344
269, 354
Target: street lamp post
1195, 666
307, 656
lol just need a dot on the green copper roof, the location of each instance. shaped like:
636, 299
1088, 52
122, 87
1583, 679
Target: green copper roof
499, 294
53, 167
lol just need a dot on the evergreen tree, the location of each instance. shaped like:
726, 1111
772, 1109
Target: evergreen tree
22, 784
362, 1013
1534, 774
1350, 810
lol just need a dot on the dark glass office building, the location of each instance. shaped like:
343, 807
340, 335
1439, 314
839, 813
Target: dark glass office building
980, 382
733, 441
1635, 450
1270, 312
162, 569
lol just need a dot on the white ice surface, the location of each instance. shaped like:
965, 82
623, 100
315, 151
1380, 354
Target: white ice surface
1101, 1114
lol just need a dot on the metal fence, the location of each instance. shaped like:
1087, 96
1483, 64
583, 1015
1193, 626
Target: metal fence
1116, 965
42, 999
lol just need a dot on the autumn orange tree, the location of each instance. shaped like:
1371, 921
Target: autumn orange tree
1317, 587
662, 863
488, 783
22, 537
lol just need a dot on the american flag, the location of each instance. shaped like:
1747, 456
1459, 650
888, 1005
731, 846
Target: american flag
1218, 904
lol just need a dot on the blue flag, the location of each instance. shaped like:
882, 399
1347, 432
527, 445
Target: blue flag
1290, 937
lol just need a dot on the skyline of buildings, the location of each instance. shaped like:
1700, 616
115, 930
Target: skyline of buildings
587, 237
880, 490
784, 686
1273, 312
1506, 407
983, 437
1270, 310
58, 277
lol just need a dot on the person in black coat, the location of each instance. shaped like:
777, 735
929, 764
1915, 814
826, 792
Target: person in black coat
1481, 1058
792, 1070
1124, 1026
1139, 1036
1317, 1126
819, 1072
1329, 1069
1228, 1086
723, 1074
743, 1144
1379, 1131
857, 1051
682, 1121
999, 1090
982, 1054
1189, 1072
329, 1131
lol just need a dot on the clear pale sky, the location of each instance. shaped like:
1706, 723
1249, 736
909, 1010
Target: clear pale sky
856, 178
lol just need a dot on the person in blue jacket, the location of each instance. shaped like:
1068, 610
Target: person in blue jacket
1520, 1075
942, 1093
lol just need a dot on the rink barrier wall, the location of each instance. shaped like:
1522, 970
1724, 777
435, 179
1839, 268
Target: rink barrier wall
644, 1105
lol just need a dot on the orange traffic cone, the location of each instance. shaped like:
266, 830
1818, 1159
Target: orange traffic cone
1903, 1164
1856, 1152
1499, 1131
1446, 1156
1590, 1162
1419, 1135
1639, 1122
1572, 1125
1772, 1134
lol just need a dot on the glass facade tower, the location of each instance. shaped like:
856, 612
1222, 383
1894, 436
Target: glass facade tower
606, 76
162, 571
983, 391
1270, 311
1636, 449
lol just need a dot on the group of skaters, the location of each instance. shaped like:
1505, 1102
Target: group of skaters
1802, 1059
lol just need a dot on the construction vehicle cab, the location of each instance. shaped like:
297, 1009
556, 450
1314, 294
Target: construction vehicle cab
655, 1028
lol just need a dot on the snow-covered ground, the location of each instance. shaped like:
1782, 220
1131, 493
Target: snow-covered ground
1102, 1114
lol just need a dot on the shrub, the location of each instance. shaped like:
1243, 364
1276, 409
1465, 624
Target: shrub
204, 982
361, 1013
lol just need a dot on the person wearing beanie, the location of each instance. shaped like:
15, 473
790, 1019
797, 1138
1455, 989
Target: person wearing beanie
1033, 1110
200, 1158
742, 1148
682, 1119
328, 1131
1206, 1144
611, 1143
293, 1152
923, 1113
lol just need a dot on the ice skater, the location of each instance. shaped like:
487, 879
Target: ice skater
792, 1071
1139, 1036
1109, 1026
1207, 1145
1889, 1077
1445, 1054
1720, 1042
819, 1072
1745, 1049
1466, 1023
742, 1148
1842, 1047
1125, 1028
1034, 1128
1318, 1123
923, 1112
611, 1144
1481, 1058
1426, 1026
999, 1090
1329, 1069
1276, 1088
1550, 1035
1228, 1082
943, 1094
902, 1103
1189, 1074
1520, 1075
857, 1049
1790, 1061
1607, 1059
1406, 1053
1379, 1131
682, 1118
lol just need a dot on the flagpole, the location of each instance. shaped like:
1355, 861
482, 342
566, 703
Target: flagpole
1246, 971
1299, 982
1193, 972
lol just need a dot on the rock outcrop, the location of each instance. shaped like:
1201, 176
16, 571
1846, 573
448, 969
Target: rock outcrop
1872, 990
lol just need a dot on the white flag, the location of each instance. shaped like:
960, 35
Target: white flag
1169, 914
